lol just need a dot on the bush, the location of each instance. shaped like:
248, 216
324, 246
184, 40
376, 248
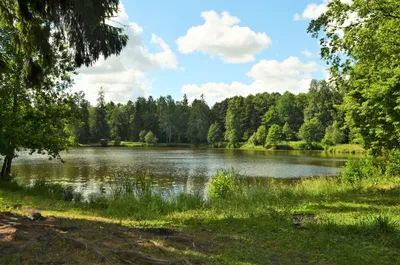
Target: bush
393, 165
224, 184
366, 168
150, 138
142, 136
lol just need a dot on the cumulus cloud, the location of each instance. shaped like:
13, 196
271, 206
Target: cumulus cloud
313, 11
268, 76
124, 77
307, 53
220, 35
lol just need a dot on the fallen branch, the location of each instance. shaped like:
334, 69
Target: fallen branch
79, 244
159, 246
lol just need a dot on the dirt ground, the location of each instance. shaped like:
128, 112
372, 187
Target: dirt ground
37, 240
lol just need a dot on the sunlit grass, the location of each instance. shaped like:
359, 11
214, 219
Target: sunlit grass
356, 224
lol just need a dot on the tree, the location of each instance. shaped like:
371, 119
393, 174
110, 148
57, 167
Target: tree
358, 41
40, 25
166, 117
323, 100
274, 134
234, 121
289, 111
102, 129
181, 117
288, 133
84, 135
311, 131
41, 42
271, 117
333, 135
150, 138
261, 135
214, 134
33, 117
199, 122
142, 136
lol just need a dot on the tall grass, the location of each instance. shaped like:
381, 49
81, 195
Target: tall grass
136, 197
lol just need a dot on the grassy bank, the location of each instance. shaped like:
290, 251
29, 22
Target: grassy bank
346, 149
354, 219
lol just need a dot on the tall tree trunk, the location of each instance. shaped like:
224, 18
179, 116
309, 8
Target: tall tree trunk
8, 167
3, 169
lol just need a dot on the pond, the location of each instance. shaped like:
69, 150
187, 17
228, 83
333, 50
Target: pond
92, 169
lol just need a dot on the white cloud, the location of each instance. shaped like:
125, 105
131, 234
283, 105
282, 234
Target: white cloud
124, 77
313, 11
307, 53
268, 76
221, 36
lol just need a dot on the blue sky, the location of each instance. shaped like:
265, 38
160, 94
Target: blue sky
218, 48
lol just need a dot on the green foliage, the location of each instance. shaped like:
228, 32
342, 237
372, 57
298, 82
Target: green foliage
360, 169
272, 116
252, 140
333, 135
36, 30
117, 141
38, 118
288, 133
150, 138
224, 184
261, 135
275, 135
142, 136
214, 134
101, 129
393, 164
233, 123
365, 65
311, 131
322, 103
199, 121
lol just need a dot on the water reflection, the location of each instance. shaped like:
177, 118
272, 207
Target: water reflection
92, 169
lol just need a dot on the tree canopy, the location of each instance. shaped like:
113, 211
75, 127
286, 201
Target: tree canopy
360, 43
41, 43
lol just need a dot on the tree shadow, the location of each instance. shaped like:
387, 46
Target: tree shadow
72, 241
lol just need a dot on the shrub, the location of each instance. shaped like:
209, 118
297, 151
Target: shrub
150, 138
393, 165
142, 136
366, 168
224, 184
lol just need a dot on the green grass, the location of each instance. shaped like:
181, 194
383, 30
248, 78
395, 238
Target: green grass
346, 149
357, 223
285, 145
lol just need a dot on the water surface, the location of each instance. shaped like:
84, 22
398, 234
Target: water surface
91, 169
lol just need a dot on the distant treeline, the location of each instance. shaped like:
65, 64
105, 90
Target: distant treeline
260, 119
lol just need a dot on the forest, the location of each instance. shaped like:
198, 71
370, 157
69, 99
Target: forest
96, 210
262, 119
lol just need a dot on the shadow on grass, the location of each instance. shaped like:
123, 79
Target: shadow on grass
72, 241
